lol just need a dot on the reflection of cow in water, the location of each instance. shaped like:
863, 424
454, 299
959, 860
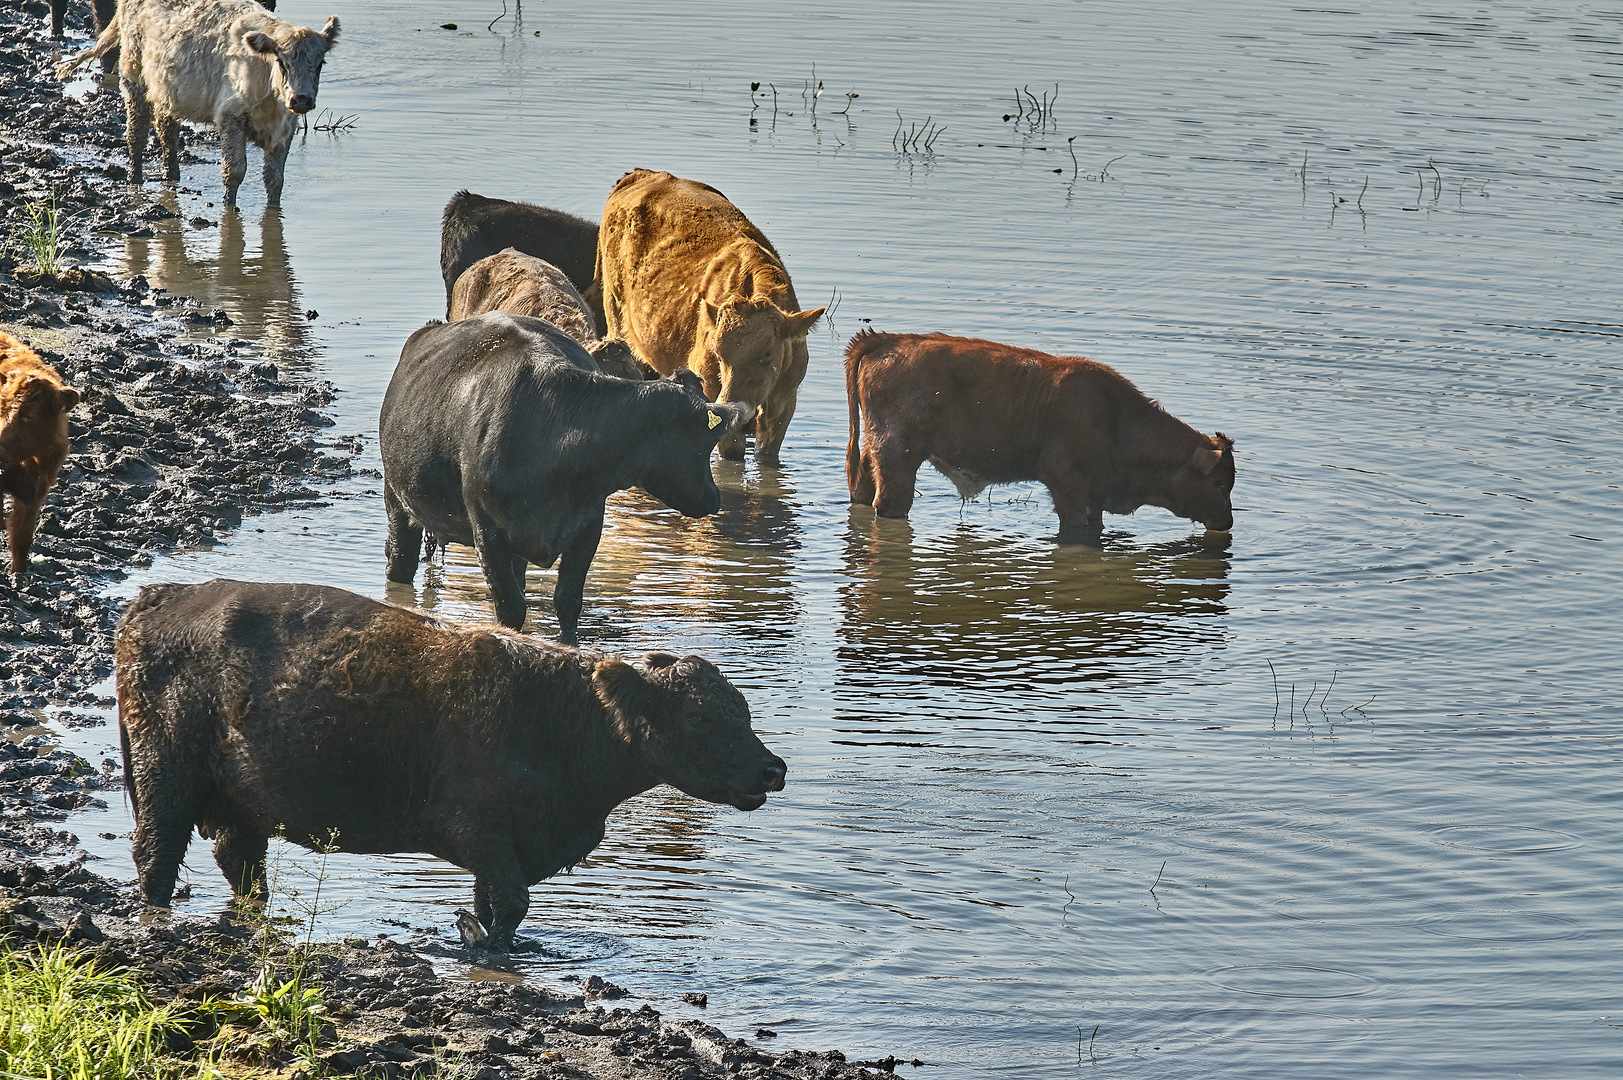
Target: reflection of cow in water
655, 569
256, 289
986, 616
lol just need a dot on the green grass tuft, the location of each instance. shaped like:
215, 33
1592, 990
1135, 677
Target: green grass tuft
64, 1018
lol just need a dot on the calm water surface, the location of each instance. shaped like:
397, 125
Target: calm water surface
1338, 797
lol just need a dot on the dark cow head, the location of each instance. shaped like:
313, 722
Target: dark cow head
1200, 488
298, 53
677, 472
752, 340
693, 727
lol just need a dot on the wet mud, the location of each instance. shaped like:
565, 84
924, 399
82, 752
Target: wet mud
173, 445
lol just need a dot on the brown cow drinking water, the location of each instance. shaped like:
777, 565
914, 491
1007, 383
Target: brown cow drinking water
690, 283
248, 709
984, 413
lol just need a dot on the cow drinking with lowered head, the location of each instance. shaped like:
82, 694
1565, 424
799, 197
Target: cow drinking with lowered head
246, 710
230, 63
500, 432
984, 413
34, 407
689, 282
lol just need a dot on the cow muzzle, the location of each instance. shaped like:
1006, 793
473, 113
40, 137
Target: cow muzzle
302, 103
1223, 522
771, 780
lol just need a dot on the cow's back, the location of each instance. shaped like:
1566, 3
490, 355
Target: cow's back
484, 410
986, 405
303, 705
521, 284
190, 58
665, 242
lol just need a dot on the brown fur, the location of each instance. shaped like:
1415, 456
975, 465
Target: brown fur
521, 284
985, 413
34, 407
689, 282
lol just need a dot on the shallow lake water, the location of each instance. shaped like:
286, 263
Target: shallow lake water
1334, 796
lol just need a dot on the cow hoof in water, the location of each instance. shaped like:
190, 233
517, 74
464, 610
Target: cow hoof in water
473, 934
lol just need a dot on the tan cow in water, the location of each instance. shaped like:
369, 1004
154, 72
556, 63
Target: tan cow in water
230, 63
689, 282
521, 284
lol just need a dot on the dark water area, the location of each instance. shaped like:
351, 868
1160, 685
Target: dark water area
1334, 796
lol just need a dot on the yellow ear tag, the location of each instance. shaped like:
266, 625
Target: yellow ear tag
715, 421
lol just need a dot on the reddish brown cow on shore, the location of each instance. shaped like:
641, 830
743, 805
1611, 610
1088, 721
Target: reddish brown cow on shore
984, 413
34, 407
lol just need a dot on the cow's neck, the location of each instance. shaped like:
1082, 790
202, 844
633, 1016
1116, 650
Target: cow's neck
601, 772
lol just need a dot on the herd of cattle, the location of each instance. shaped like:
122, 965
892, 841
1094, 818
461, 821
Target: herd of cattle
578, 359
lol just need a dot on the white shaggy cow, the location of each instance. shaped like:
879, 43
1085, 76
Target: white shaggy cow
229, 63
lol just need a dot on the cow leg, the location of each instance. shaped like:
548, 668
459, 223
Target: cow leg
405, 543
496, 557
169, 139
275, 167
1080, 522
571, 589
240, 855
137, 124
102, 12
59, 9
862, 481
895, 471
233, 155
20, 525
500, 902
163, 829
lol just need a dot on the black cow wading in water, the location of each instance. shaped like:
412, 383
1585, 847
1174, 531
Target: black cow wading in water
245, 709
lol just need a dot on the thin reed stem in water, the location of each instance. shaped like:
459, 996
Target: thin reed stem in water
1275, 674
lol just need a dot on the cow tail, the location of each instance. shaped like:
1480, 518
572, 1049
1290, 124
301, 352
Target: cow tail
858, 347
106, 43
129, 770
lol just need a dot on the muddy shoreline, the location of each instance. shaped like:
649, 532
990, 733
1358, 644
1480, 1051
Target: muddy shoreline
174, 443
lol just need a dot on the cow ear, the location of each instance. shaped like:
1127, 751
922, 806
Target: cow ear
69, 397
798, 323
260, 43
330, 31
623, 693
1206, 459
